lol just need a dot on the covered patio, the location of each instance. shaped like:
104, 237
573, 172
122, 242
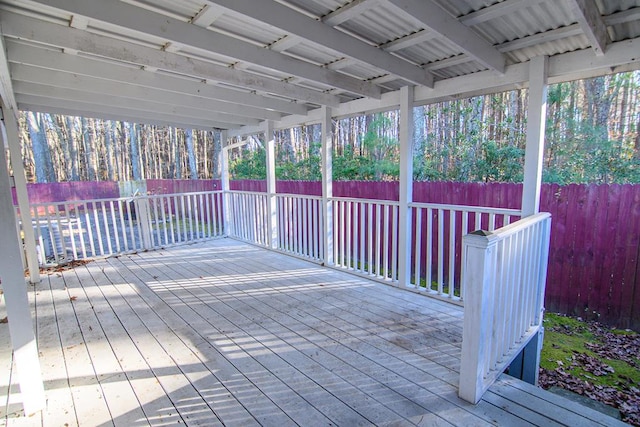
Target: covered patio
225, 333
307, 344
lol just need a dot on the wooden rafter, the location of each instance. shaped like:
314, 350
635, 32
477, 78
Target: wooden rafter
592, 24
172, 30
295, 23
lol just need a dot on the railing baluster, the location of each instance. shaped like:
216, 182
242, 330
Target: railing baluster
348, 236
452, 252
83, 247
429, 244
378, 240
418, 246
394, 243
362, 238
440, 251
385, 262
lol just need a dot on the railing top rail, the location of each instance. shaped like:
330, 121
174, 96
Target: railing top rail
301, 196
118, 199
264, 193
467, 208
373, 201
156, 196
511, 229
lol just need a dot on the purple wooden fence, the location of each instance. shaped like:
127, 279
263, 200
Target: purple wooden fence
174, 186
73, 190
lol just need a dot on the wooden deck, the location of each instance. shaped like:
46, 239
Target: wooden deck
224, 333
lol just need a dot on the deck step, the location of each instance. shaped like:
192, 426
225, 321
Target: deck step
569, 412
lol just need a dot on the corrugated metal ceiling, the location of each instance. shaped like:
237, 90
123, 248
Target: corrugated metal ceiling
519, 29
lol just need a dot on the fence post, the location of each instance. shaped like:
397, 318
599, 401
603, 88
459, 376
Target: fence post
480, 260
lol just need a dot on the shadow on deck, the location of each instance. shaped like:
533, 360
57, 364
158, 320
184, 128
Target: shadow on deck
224, 333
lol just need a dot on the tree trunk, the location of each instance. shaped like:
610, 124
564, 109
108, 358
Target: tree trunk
135, 155
193, 170
39, 144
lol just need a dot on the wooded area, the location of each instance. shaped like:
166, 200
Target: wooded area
592, 137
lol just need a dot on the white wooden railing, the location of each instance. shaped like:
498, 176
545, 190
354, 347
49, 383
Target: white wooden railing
249, 217
91, 228
365, 237
436, 241
300, 226
505, 274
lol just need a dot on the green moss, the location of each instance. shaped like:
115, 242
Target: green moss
565, 337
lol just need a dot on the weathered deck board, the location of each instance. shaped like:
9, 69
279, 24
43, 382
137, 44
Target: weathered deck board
224, 333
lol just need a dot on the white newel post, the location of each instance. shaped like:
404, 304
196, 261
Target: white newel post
406, 185
536, 122
10, 136
327, 185
143, 214
224, 178
12, 280
272, 209
480, 257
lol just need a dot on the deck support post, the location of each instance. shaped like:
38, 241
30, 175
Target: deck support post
526, 364
23, 339
272, 202
406, 185
327, 185
534, 149
224, 179
12, 140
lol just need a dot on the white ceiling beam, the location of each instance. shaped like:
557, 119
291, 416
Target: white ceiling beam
623, 16
127, 16
112, 116
295, 23
588, 16
497, 10
349, 11
77, 108
6, 86
620, 56
166, 108
535, 39
27, 28
207, 16
286, 42
30, 55
28, 74
409, 40
429, 14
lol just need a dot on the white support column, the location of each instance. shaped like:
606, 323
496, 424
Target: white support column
327, 185
224, 178
12, 279
536, 120
479, 277
10, 135
272, 210
406, 185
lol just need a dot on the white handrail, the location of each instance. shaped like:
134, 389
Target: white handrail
101, 227
505, 276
